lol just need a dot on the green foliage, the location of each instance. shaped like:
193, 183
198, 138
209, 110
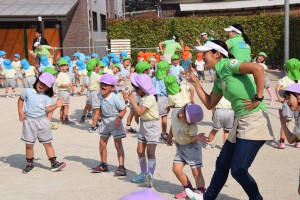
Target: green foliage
266, 32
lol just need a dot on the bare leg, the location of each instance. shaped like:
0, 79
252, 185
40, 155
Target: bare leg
103, 149
120, 150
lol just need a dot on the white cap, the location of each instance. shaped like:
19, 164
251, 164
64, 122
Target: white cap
36, 44
210, 46
231, 28
204, 33
174, 37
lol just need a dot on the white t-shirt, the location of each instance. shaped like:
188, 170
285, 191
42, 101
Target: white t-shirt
285, 82
199, 65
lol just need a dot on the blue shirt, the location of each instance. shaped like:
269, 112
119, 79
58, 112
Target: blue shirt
111, 105
176, 71
35, 103
185, 63
159, 86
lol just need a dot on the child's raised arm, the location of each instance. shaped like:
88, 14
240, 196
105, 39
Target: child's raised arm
139, 110
192, 91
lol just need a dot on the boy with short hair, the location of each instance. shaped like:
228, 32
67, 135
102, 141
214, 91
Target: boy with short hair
176, 69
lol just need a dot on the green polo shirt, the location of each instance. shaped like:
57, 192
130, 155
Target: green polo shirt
208, 39
234, 86
43, 51
171, 46
239, 48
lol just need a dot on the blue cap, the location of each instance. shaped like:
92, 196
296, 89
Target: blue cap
2, 53
105, 60
95, 55
116, 60
76, 54
7, 64
111, 55
24, 63
80, 64
68, 59
44, 60
123, 54
17, 55
87, 57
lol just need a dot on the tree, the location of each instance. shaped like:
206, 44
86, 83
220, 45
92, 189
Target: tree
139, 5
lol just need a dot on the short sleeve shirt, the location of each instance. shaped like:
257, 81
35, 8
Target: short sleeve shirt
285, 82
234, 86
111, 105
62, 79
43, 51
182, 131
176, 70
94, 82
29, 72
185, 63
159, 86
297, 130
239, 48
182, 98
199, 65
17, 65
223, 104
35, 103
171, 46
9, 73
152, 113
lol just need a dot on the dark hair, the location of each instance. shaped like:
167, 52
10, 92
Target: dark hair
224, 46
38, 31
176, 38
239, 27
288, 93
134, 87
48, 92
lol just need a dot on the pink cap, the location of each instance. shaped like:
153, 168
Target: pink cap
132, 79
145, 194
144, 82
193, 113
48, 79
108, 79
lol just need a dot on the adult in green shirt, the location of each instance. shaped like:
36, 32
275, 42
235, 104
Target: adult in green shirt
250, 129
238, 43
41, 50
171, 46
206, 37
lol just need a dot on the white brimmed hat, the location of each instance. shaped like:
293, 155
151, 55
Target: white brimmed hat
231, 28
204, 33
36, 44
210, 46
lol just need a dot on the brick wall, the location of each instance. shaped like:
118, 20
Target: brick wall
75, 29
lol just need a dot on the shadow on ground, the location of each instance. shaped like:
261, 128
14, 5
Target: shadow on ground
18, 161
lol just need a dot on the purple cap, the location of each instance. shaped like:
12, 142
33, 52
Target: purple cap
144, 82
108, 79
132, 79
193, 113
146, 194
292, 88
48, 79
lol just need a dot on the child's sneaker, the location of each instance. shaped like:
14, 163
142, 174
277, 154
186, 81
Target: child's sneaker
28, 168
121, 171
139, 178
164, 136
68, 122
181, 195
53, 126
193, 195
279, 145
149, 180
131, 130
89, 115
93, 129
210, 145
72, 94
297, 144
56, 166
13, 95
102, 167
82, 119
6, 96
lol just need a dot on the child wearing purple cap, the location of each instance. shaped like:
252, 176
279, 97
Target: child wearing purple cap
33, 105
149, 133
112, 110
188, 146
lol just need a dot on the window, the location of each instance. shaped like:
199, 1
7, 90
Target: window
95, 22
103, 22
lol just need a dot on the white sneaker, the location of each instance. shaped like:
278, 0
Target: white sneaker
13, 95
193, 195
6, 96
210, 145
149, 180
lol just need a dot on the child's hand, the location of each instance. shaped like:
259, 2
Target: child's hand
191, 77
281, 100
283, 119
169, 140
277, 70
59, 102
22, 116
118, 122
202, 138
168, 109
192, 101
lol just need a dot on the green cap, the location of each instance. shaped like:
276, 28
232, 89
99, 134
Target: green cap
262, 54
101, 72
117, 66
90, 66
101, 64
293, 67
62, 61
171, 84
141, 67
175, 57
126, 58
162, 68
49, 70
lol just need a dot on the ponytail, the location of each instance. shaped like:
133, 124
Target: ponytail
246, 39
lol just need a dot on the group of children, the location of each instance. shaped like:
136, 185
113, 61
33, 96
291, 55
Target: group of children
150, 89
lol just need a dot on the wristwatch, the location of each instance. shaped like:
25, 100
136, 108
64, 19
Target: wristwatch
258, 99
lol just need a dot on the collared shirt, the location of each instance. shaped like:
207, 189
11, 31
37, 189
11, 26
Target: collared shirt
285, 82
9, 73
17, 65
199, 65
229, 82
29, 72
182, 131
171, 46
62, 79
35, 103
152, 113
176, 70
239, 48
111, 105
296, 130
159, 86
182, 98
94, 82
